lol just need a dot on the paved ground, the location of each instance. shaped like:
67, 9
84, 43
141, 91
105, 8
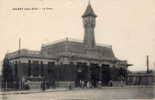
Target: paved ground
84, 94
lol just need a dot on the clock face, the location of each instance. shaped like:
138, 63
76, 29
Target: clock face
89, 21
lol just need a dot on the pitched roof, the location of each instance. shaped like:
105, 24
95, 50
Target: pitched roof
89, 11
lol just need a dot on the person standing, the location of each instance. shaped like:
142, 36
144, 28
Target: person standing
43, 85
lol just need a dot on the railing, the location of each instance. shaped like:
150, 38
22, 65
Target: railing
74, 40
54, 42
22, 52
103, 45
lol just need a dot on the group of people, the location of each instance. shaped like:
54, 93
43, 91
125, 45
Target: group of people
82, 84
88, 84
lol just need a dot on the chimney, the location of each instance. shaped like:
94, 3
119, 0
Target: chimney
19, 46
147, 63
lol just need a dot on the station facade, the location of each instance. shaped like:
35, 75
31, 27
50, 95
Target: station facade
68, 60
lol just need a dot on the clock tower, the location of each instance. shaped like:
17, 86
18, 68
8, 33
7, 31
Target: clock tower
89, 21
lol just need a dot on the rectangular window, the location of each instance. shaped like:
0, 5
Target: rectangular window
42, 68
36, 68
50, 65
16, 69
29, 68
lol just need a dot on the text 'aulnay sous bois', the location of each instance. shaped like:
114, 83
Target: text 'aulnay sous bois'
33, 8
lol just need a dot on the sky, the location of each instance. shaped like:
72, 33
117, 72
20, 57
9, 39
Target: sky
127, 25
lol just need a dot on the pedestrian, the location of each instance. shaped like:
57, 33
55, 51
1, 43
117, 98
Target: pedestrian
43, 87
111, 83
85, 84
70, 86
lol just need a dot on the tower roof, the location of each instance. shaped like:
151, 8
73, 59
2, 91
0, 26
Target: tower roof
89, 11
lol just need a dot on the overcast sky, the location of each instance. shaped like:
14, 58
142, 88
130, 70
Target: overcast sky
127, 25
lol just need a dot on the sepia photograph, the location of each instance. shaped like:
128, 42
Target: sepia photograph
77, 50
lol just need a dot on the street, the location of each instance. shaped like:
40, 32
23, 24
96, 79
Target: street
87, 94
